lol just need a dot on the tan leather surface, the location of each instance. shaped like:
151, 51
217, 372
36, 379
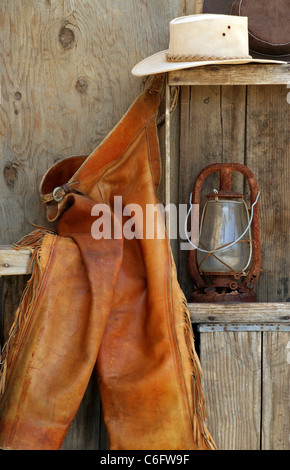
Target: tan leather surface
110, 303
56, 351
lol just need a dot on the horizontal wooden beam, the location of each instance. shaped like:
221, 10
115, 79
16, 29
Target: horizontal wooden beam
246, 74
13, 262
236, 327
250, 313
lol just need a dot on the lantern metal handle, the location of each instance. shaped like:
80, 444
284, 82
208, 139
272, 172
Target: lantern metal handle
228, 245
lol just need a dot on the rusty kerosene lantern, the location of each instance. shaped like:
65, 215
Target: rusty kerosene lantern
226, 262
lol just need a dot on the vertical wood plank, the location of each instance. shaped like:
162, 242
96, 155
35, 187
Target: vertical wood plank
276, 391
233, 111
168, 156
268, 156
231, 363
85, 430
212, 129
198, 6
200, 144
169, 144
175, 143
233, 116
11, 289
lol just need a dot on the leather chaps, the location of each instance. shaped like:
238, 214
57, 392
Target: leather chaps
107, 304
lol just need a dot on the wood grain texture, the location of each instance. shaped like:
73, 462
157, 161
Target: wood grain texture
247, 383
13, 262
11, 293
198, 6
252, 313
276, 391
65, 83
268, 156
232, 385
87, 428
200, 117
244, 74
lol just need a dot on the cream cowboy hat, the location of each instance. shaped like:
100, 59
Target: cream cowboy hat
197, 40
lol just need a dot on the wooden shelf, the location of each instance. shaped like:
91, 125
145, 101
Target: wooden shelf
245, 74
13, 262
250, 313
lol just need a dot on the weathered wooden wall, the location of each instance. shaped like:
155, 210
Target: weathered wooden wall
246, 382
65, 78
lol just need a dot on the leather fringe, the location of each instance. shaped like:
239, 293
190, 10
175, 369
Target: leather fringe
199, 418
32, 242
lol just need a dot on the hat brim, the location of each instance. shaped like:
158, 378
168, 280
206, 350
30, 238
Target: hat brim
157, 63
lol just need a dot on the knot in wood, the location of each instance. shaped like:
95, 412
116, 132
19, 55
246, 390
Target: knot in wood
10, 174
66, 37
81, 85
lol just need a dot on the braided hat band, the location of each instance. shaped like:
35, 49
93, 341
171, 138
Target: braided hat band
200, 58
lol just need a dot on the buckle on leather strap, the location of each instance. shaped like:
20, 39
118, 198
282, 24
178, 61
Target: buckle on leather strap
55, 194
60, 191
